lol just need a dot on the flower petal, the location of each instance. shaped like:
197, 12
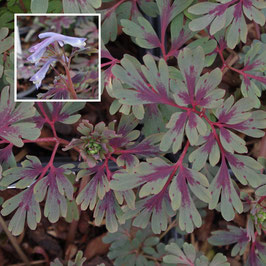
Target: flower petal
40, 75
36, 56
75, 42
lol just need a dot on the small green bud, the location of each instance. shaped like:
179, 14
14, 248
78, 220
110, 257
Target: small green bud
93, 148
261, 215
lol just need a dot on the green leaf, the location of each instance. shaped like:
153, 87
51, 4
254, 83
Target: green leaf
144, 33
16, 124
26, 205
39, 6
5, 43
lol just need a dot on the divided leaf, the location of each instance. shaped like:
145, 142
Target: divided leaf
58, 187
254, 80
15, 123
156, 207
223, 185
168, 10
236, 116
109, 208
155, 90
179, 123
196, 90
96, 188
142, 31
26, 205
23, 176
152, 175
234, 235
188, 256
227, 15
181, 199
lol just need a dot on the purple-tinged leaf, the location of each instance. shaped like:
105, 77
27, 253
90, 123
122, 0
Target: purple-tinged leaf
218, 260
157, 208
235, 235
96, 188
181, 198
127, 197
57, 186
126, 124
257, 255
191, 64
188, 256
148, 147
13, 124
232, 142
195, 126
209, 149
252, 126
143, 31
228, 14
174, 136
206, 94
109, 208
253, 80
26, 205
230, 113
58, 90
152, 175
246, 169
7, 158
223, 185
169, 10
236, 116
142, 92
109, 27
180, 34
23, 176
196, 90
64, 112
127, 161
238, 29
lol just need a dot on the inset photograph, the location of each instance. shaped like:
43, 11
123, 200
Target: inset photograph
57, 57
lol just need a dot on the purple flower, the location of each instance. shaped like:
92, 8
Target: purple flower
39, 49
40, 75
62, 39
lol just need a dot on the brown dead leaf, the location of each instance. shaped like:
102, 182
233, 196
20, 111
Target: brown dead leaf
96, 247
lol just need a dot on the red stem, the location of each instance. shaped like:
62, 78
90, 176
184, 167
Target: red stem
110, 63
176, 166
70, 83
239, 71
111, 9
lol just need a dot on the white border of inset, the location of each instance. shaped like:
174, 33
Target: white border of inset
99, 56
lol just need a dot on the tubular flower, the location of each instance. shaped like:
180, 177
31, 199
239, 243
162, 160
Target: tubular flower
40, 75
39, 49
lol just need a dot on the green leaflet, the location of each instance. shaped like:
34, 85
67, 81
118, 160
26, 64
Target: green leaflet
5, 42
39, 6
